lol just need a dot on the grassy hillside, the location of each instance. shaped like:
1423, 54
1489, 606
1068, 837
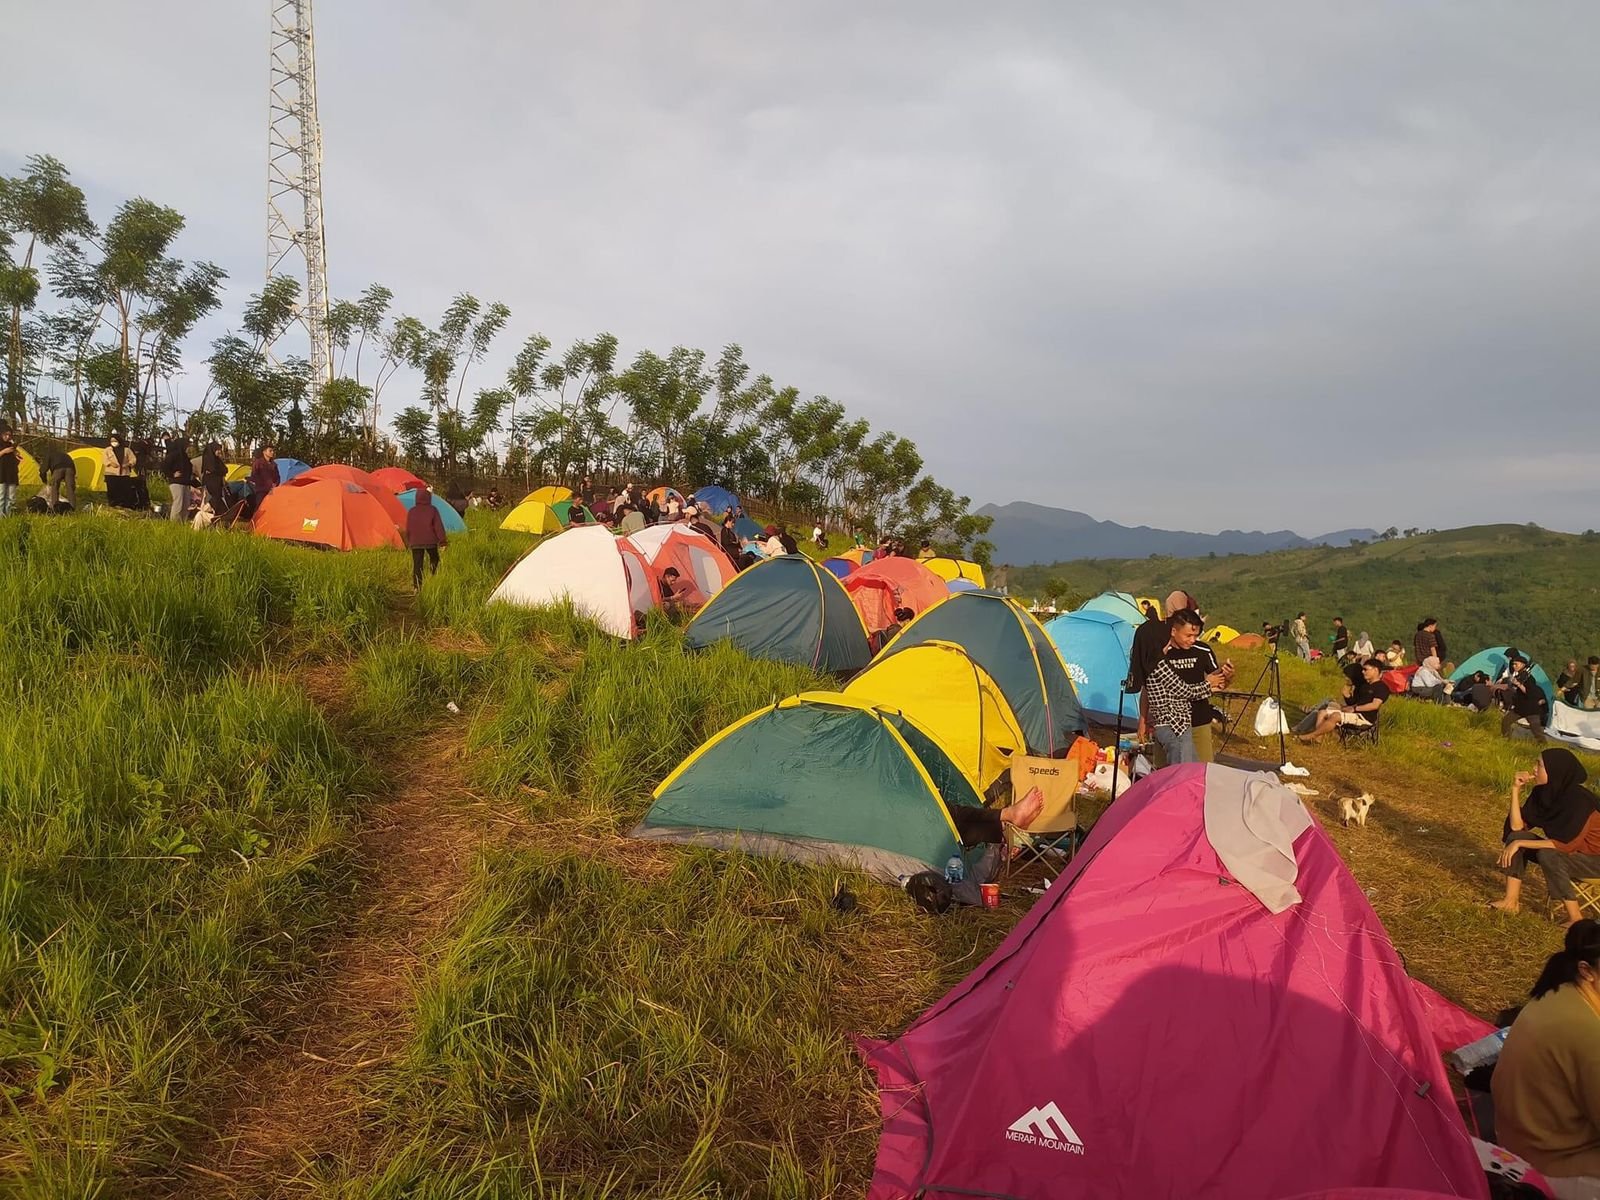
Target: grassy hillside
1487, 584
311, 887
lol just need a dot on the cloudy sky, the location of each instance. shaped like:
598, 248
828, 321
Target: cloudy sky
1192, 265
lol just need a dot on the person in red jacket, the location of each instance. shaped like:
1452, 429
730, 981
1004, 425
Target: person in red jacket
424, 534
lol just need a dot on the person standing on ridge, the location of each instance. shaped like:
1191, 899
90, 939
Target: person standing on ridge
1149, 644
1341, 640
179, 471
1302, 637
10, 470
424, 535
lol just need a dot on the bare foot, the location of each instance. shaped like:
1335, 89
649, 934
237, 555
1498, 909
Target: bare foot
1025, 811
1505, 905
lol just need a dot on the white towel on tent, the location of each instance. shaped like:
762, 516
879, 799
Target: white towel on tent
1252, 821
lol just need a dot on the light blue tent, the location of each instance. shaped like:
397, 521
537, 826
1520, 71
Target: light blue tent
288, 468
961, 585
1095, 647
1118, 604
451, 518
715, 500
1493, 661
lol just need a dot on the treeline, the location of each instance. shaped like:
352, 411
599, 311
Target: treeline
100, 349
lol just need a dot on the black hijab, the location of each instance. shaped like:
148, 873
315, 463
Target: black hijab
211, 462
1562, 806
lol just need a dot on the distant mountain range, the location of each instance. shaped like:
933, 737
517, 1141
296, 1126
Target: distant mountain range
1024, 534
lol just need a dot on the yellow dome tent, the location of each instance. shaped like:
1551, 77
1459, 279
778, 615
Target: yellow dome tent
939, 687
532, 516
1221, 635
951, 569
28, 469
1141, 601
90, 469
238, 472
550, 494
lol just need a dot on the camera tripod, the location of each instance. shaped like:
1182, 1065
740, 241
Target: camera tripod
1274, 692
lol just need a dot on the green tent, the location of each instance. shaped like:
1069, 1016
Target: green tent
563, 511
1001, 637
819, 777
787, 608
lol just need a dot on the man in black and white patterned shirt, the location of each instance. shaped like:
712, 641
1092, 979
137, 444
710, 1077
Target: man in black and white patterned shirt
1171, 696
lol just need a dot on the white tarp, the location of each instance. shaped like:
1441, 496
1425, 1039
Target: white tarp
1578, 726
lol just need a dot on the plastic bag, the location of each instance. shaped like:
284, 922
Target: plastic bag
1269, 719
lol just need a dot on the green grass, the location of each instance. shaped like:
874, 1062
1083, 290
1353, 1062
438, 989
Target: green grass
171, 803
199, 722
1488, 585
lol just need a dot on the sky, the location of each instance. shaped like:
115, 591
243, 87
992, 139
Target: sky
1200, 266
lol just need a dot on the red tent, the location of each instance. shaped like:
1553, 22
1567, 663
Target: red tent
1153, 1028
327, 512
886, 584
379, 491
398, 479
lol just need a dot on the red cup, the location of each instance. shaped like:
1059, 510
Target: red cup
991, 894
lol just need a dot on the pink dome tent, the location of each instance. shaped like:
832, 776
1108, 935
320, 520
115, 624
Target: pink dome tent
1153, 1029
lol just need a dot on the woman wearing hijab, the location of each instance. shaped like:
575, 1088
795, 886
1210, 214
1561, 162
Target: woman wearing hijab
214, 477
1362, 650
1547, 1081
1568, 845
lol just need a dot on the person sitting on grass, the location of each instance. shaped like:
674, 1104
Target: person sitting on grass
1427, 683
1567, 816
1361, 712
1546, 1083
1524, 699
1569, 682
1362, 650
1395, 655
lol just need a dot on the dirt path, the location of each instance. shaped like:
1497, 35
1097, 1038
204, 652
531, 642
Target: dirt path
301, 1099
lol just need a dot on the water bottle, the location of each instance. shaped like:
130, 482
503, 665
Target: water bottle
955, 870
1480, 1053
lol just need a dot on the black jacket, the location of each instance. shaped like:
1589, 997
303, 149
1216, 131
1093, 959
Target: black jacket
176, 465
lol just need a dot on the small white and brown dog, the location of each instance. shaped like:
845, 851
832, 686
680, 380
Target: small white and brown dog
1355, 808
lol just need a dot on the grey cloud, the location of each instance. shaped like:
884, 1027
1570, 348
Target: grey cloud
1187, 264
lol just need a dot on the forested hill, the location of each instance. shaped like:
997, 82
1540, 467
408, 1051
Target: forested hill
1487, 584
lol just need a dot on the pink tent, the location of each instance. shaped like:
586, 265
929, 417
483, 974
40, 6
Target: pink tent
1151, 1030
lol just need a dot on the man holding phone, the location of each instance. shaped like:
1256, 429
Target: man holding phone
1178, 684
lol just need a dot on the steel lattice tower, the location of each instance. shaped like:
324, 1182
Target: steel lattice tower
294, 172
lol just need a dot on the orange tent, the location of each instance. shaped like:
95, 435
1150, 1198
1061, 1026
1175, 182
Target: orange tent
886, 584
327, 512
397, 479
370, 484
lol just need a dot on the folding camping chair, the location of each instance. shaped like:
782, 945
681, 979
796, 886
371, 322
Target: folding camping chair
1358, 733
1056, 830
1588, 893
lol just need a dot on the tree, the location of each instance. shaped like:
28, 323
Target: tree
259, 394
46, 207
1390, 534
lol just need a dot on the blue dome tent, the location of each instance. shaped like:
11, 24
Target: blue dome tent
715, 500
449, 516
1095, 647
